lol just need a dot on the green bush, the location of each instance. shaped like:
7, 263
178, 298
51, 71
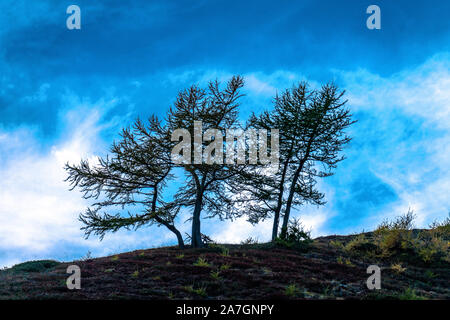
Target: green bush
35, 266
441, 229
360, 245
429, 246
296, 236
410, 294
292, 290
395, 238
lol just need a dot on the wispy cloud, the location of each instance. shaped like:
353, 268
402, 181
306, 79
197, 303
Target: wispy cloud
38, 215
404, 134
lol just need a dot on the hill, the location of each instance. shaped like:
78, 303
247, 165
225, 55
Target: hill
324, 269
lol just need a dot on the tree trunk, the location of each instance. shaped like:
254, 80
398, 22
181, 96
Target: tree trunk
169, 226
276, 220
196, 236
172, 228
294, 181
276, 216
289, 203
179, 237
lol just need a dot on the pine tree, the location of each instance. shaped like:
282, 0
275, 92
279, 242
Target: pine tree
134, 176
206, 184
312, 125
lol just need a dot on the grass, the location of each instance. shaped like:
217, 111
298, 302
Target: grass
135, 274
344, 261
292, 290
430, 274
201, 262
225, 252
337, 244
215, 275
199, 291
410, 294
225, 266
398, 268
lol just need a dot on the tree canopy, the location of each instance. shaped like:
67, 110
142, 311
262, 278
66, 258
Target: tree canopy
298, 141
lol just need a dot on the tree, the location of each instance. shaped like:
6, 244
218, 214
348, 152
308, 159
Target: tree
134, 176
311, 124
212, 111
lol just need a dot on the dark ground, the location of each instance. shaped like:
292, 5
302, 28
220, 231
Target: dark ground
256, 271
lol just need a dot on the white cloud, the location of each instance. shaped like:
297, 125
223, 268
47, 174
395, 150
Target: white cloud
36, 209
37, 212
240, 229
422, 91
417, 167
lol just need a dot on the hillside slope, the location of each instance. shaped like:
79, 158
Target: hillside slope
255, 271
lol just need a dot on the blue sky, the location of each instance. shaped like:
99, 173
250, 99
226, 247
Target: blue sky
65, 94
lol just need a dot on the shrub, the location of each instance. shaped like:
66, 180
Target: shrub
249, 241
225, 266
403, 222
296, 236
291, 290
360, 245
397, 267
337, 244
35, 266
215, 275
441, 229
395, 237
201, 262
430, 275
428, 246
344, 261
200, 291
395, 242
225, 252
431, 248
410, 294
135, 274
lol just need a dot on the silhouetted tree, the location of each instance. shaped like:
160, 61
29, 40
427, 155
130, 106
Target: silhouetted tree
133, 176
206, 184
311, 124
